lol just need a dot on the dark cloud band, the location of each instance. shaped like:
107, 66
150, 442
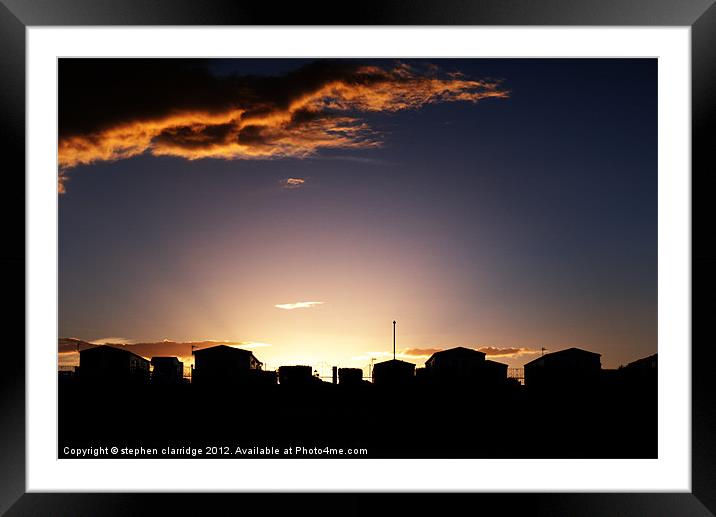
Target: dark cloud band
116, 109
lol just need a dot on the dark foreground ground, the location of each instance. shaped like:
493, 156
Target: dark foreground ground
320, 421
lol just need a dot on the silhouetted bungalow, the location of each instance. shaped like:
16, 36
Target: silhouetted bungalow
421, 376
224, 364
612, 379
645, 364
350, 376
108, 364
457, 365
393, 373
494, 373
67, 374
464, 366
568, 369
641, 373
167, 370
265, 378
295, 375
456, 360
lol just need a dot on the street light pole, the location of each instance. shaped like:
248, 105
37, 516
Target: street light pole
393, 340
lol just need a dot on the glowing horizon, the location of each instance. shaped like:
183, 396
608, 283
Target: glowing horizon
68, 355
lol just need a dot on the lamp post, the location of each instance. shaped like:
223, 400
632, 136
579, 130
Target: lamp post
393, 340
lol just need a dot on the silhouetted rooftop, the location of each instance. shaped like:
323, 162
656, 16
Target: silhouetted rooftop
457, 351
394, 362
165, 359
224, 349
111, 349
644, 362
562, 353
296, 368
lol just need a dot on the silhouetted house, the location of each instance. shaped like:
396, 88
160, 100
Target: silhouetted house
167, 370
394, 373
645, 364
421, 376
513, 384
350, 376
641, 373
611, 380
224, 364
295, 376
464, 366
494, 373
109, 365
456, 360
568, 369
67, 374
266, 378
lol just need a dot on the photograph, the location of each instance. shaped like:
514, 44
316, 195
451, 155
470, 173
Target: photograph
357, 258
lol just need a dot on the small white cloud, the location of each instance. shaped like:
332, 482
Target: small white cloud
297, 305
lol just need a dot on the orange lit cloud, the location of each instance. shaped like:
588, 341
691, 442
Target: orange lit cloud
296, 115
507, 351
112, 340
297, 305
487, 350
421, 352
61, 180
293, 183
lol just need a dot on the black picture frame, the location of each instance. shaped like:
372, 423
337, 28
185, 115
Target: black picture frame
17, 15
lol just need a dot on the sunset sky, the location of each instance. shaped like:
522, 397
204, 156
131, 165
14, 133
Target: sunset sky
298, 207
